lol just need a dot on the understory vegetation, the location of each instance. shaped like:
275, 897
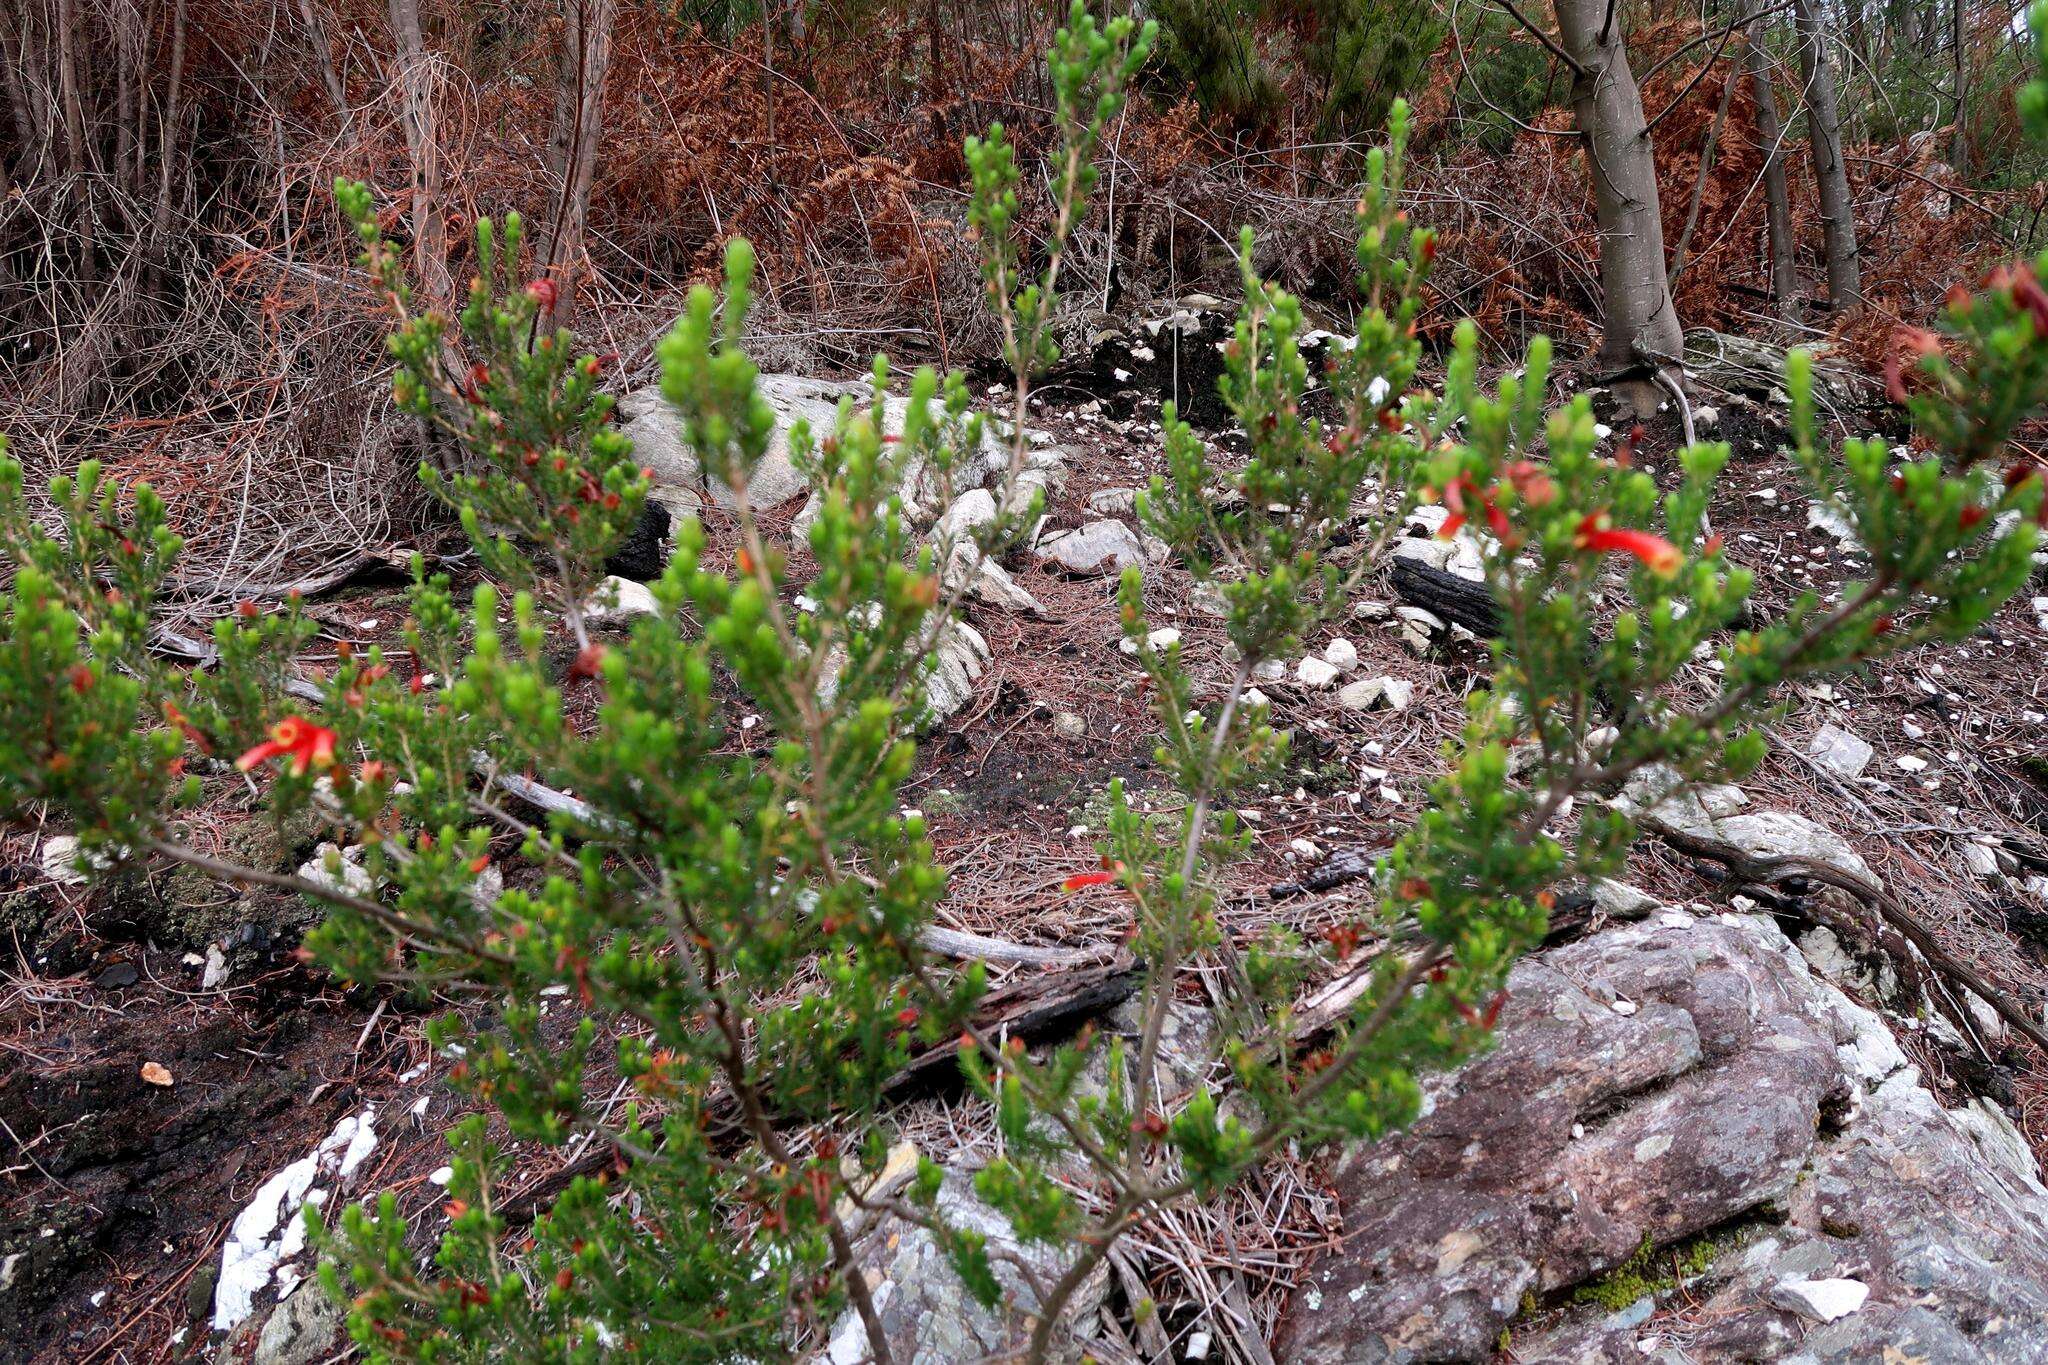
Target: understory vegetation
694, 827
759, 914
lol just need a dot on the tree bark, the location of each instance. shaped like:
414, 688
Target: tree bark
1777, 195
1831, 175
422, 139
572, 143
316, 36
1959, 144
1641, 334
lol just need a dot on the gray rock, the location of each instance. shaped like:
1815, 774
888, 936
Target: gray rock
1315, 673
680, 484
1097, 548
958, 662
1362, 695
304, 1328
618, 601
1740, 1085
929, 1319
1844, 754
1419, 628
1113, 502
1619, 900
969, 512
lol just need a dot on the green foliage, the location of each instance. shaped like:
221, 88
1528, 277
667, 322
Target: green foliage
1209, 47
1505, 79
742, 928
1360, 54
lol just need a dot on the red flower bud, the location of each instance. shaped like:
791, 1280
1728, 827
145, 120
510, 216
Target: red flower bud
542, 292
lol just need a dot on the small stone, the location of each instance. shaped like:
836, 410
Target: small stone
1304, 848
216, 968
1361, 695
1820, 1300
1155, 642
60, 860
1706, 419
1981, 861
1113, 502
345, 877
1097, 548
1911, 763
1315, 673
619, 599
1071, 724
1397, 692
1844, 754
1269, 670
970, 512
1621, 900
1372, 611
1341, 655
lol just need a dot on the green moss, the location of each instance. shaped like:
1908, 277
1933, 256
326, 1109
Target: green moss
1650, 1272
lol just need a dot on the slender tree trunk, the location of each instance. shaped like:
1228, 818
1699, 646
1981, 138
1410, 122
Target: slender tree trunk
31, 125
316, 34
573, 141
76, 151
422, 138
1777, 195
170, 131
1959, 145
1831, 176
1641, 334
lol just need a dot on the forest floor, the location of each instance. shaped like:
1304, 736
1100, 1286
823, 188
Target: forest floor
120, 1195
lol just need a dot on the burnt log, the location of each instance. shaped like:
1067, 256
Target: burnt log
1455, 599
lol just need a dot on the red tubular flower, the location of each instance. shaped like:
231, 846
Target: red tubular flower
308, 745
542, 292
1598, 534
1081, 880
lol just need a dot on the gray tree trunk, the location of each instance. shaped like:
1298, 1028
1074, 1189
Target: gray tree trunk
1777, 195
1640, 331
1831, 176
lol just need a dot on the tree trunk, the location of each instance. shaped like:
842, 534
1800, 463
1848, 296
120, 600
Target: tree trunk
316, 35
1641, 334
422, 139
1831, 176
572, 143
1959, 144
72, 103
1777, 196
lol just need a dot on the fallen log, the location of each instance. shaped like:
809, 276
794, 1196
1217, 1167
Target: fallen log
1457, 600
